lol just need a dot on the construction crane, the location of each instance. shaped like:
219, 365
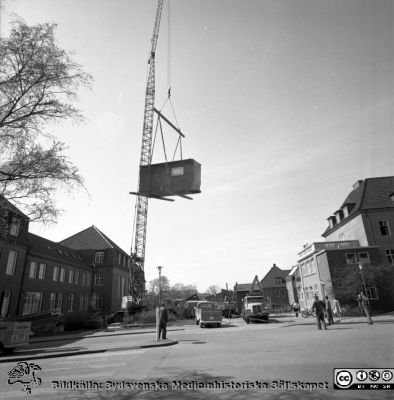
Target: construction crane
186, 174
138, 255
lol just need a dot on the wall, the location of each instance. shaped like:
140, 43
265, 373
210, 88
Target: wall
352, 230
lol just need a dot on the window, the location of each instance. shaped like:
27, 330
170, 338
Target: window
52, 301
384, 228
99, 257
363, 257
119, 258
278, 280
350, 258
33, 269
62, 276
14, 228
87, 279
177, 171
32, 303
124, 260
99, 279
341, 236
11, 262
282, 292
76, 277
70, 305
4, 303
313, 266
55, 273
97, 301
59, 301
83, 279
71, 276
372, 293
122, 282
85, 307
41, 271
390, 256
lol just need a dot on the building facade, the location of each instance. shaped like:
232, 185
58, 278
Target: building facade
111, 267
367, 215
86, 271
274, 287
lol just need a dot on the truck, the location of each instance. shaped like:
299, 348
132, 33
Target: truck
255, 308
13, 334
208, 315
128, 306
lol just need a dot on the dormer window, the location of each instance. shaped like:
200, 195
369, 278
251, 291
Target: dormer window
331, 221
15, 226
338, 216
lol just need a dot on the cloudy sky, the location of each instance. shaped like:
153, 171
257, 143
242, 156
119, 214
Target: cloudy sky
284, 103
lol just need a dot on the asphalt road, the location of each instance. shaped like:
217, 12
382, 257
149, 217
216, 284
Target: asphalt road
237, 355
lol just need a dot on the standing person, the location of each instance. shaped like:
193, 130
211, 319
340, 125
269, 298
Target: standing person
319, 308
330, 319
337, 308
364, 305
163, 319
296, 308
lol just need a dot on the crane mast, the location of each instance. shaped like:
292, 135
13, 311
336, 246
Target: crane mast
138, 255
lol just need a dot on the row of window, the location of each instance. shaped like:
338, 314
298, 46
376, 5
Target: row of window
353, 258
38, 270
122, 258
33, 302
308, 267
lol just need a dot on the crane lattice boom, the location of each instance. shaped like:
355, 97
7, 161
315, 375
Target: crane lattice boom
146, 154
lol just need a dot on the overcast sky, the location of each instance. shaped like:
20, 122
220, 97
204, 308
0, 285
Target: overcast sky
286, 104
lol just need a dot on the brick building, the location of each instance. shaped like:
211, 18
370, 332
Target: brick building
274, 286
85, 271
111, 265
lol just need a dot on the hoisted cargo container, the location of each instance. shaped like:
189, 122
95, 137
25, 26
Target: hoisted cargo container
175, 178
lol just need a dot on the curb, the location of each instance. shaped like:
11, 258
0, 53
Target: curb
70, 337
84, 352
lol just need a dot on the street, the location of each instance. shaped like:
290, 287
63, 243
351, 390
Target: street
236, 354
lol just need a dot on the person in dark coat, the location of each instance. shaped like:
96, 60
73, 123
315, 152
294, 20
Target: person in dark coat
319, 308
330, 318
296, 308
163, 319
364, 305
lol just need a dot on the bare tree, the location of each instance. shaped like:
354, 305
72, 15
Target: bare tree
38, 85
214, 289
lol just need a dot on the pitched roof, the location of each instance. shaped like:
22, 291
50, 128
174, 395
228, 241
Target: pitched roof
7, 205
274, 272
90, 239
367, 194
247, 287
47, 249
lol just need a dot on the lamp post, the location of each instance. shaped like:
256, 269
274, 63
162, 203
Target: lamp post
360, 266
159, 268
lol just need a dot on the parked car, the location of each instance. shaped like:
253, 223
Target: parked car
207, 314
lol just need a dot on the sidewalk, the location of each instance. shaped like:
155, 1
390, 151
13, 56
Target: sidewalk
291, 320
139, 342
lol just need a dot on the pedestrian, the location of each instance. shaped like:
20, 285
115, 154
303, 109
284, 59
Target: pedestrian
337, 308
319, 308
163, 319
296, 308
327, 303
364, 305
